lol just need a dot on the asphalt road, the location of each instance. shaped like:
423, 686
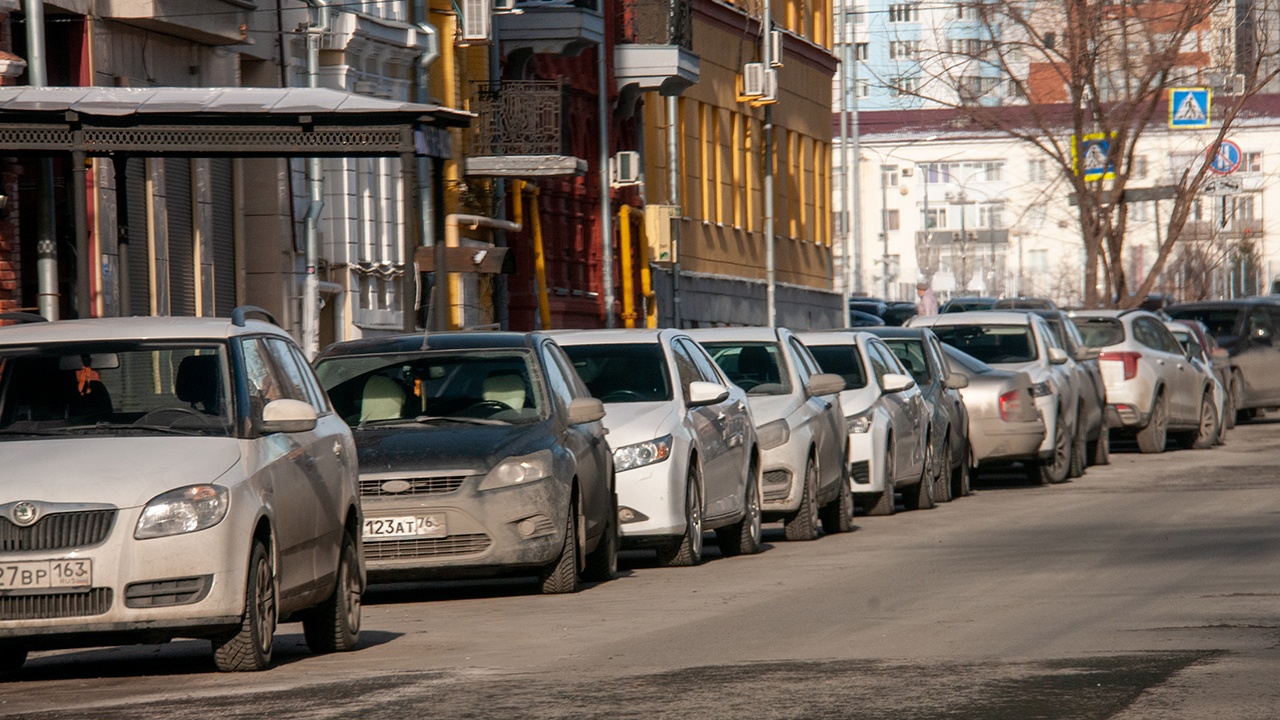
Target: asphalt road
1149, 589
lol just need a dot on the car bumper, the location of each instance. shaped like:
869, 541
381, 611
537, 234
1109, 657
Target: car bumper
998, 440
152, 590
484, 532
783, 472
1125, 415
866, 464
651, 502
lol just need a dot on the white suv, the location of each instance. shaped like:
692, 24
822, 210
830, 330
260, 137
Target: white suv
167, 478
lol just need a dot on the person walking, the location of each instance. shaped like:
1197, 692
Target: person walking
928, 304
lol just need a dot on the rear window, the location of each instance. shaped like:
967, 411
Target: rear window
1100, 332
843, 360
1222, 322
990, 343
622, 373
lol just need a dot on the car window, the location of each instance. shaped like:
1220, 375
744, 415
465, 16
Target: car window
633, 372
757, 367
991, 343
882, 362
571, 376
967, 362
803, 368
843, 360
557, 383
262, 380
1260, 320
1050, 334
319, 400
911, 353
686, 368
939, 360
706, 366
1222, 322
1154, 335
292, 375
1099, 332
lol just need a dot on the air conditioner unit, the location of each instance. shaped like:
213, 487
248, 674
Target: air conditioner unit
775, 48
1234, 85
753, 80
770, 95
476, 17
624, 168
906, 171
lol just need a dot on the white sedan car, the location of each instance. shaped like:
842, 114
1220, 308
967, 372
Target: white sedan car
884, 412
799, 422
684, 446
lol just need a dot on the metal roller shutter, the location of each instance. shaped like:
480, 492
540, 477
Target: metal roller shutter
178, 200
139, 251
224, 240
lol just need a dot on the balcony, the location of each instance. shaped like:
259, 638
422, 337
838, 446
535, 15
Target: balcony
1203, 230
212, 22
655, 47
560, 27
519, 131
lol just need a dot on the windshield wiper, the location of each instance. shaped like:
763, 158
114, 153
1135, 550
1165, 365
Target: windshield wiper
130, 426
426, 419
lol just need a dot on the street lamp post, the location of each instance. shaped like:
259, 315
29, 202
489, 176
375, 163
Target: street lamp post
884, 207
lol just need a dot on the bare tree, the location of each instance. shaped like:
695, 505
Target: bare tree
1088, 75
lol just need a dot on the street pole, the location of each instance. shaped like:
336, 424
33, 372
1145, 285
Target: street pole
770, 271
606, 189
884, 232
47, 299
842, 15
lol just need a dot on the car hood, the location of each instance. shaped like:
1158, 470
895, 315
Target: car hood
858, 400
767, 408
476, 448
121, 471
630, 423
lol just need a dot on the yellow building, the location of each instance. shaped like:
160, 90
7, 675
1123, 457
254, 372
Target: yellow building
719, 141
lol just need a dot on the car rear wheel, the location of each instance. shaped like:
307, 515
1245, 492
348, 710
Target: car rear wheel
1152, 438
249, 649
602, 563
1076, 467
561, 576
942, 478
1207, 431
334, 625
886, 502
1054, 470
1100, 449
743, 537
803, 524
686, 550
962, 477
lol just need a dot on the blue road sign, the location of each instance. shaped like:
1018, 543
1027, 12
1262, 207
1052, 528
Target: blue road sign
1091, 153
1226, 160
1189, 107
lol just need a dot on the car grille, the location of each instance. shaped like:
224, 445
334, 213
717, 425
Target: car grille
427, 547
59, 605
417, 486
58, 531
860, 472
777, 484
777, 477
163, 593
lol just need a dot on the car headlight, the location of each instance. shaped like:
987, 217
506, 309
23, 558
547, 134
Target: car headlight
184, 510
860, 423
519, 470
641, 454
1041, 389
773, 434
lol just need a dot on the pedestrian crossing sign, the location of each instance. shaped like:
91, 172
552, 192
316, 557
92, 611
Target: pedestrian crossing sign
1189, 107
1090, 155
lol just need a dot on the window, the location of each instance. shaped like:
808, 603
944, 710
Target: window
991, 215
965, 12
935, 218
1049, 40
1252, 162
904, 85
557, 382
903, 13
889, 175
861, 51
1036, 170
911, 353
891, 220
882, 362
757, 368
804, 367
992, 171
864, 88
843, 360
903, 49
295, 375
1038, 260
706, 366
1139, 169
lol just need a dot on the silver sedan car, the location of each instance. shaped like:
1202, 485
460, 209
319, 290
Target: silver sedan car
799, 425
1004, 423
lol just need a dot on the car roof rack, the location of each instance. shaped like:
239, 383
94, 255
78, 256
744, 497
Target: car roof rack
23, 317
238, 315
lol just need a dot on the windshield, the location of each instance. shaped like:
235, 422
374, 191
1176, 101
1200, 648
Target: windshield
754, 367
622, 373
843, 360
1100, 332
911, 354
458, 385
1223, 323
991, 343
114, 387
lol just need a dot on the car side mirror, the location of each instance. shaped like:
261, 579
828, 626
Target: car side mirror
706, 393
956, 381
585, 410
826, 384
1057, 356
287, 416
896, 382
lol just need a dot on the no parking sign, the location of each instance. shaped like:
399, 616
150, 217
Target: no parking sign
1226, 160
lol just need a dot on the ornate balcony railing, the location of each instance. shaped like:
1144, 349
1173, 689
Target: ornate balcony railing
1201, 230
517, 117
658, 22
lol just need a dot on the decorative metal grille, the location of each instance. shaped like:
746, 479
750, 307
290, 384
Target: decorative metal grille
428, 547
518, 117
861, 472
663, 22
58, 605
381, 141
58, 531
417, 486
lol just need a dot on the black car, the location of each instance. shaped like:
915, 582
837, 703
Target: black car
1093, 392
480, 454
967, 304
899, 312
920, 352
857, 318
871, 306
1247, 328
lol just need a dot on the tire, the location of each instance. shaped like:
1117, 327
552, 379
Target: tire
334, 625
803, 523
886, 503
1206, 433
602, 563
744, 536
837, 515
1055, 470
920, 496
942, 478
12, 658
962, 478
1075, 468
1100, 449
1152, 438
561, 576
249, 649
686, 550
1243, 414
1229, 405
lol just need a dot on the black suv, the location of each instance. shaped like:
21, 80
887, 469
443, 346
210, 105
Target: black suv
1247, 328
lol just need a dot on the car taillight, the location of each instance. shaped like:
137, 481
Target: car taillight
1010, 405
1130, 360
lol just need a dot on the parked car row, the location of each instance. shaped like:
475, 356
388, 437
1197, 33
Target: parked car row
199, 479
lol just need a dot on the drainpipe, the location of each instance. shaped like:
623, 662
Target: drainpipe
675, 165
46, 242
426, 176
315, 193
606, 206
770, 262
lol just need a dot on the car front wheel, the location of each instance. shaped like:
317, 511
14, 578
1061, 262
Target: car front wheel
334, 625
686, 550
249, 649
1152, 438
803, 524
744, 536
561, 576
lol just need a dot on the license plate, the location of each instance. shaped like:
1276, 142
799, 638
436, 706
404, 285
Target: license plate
408, 526
46, 574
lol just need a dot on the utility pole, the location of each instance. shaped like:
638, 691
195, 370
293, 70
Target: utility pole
846, 232
46, 234
770, 267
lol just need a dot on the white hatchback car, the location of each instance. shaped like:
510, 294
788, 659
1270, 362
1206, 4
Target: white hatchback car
799, 423
684, 446
172, 478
